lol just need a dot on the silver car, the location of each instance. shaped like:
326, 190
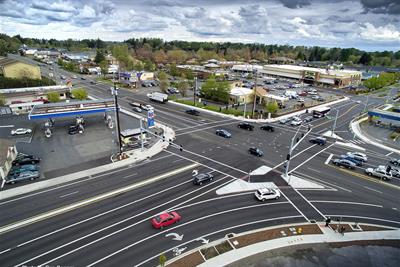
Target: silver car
28, 175
21, 131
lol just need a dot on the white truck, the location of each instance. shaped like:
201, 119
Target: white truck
158, 97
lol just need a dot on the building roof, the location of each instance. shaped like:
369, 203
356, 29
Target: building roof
4, 61
322, 71
241, 91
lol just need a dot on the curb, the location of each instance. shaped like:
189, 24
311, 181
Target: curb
240, 118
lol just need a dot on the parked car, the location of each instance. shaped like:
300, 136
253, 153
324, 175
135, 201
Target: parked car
300, 100
267, 193
74, 77
246, 126
25, 156
308, 119
193, 112
23, 161
395, 173
172, 91
303, 93
223, 133
355, 161
22, 176
358, 156
318, 140
137, 109
74, 129
23, 168
395, 162
256, 151
344, 163
379, 172
296, 122
202, 178
164, 219
267, 127
21, 131
284, 120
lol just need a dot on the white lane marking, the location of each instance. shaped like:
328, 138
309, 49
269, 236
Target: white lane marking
222, 230
310, 158
369, 188
362, 217
117, 223
6, 126
388, 154
91, 200
346, 202
304, 150
206, 128
4, 251
294, 206
317, 171
82, 180
69, 194
175, 227
129, 175
204, 124
328, 159
323, 216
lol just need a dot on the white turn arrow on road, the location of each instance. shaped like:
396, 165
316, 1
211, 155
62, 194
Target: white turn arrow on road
195, 172
177, 237
203, 240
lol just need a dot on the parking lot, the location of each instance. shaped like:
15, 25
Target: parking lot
63, 153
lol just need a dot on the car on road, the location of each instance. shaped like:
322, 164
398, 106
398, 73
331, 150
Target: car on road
296, 121
395, 162
379, 172
137, 109
358, 156
355, 161
22, 176
246, 126
267, 193
21, 131
344, 163
147, 107
312, 93
284, 120
74, 77
165, 219
318, 140
256, 151
83, 78
202, 178
308, 119
93, 82
223, 133
267, 127
303, 93
193, 112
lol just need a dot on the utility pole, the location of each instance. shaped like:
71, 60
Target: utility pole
334, 123
141, 133
366, 103
115, 93
254, 92
195, 91
244, 111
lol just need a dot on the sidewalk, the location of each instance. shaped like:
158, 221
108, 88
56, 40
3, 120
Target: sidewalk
233, 248
135, 156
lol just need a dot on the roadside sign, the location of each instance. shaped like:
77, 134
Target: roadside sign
150, 118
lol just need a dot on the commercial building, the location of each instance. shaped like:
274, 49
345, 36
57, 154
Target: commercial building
240, 95
11, 68
246, 68
316, 76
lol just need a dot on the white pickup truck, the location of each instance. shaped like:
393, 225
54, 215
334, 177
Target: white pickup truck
379, 172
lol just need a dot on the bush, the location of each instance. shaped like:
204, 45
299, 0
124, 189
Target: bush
53, 97
19, 83
79, 93
229, 111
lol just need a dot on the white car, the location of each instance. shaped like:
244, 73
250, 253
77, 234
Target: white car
74, 77
21, 131
296, 121
147, 107
267, 193
358, 156
312, 93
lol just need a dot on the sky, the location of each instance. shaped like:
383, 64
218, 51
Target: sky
371, 25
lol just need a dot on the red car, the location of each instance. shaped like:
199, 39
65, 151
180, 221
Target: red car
165, 219
303, 93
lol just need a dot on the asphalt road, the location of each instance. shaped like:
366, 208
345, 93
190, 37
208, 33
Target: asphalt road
116, 231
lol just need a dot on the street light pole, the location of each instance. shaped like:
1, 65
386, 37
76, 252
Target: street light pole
195, 90
366, 104
334, 123
255, 93
115, 93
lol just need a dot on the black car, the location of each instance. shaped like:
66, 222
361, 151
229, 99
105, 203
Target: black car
223, 133
345, 163
268, 128
92, 82
201, 178
193, 112
308, 119
255, 151
246, 126
318, 140
24, 161
83, 78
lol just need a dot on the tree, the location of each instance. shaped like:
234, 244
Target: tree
53, 97
217, 91
365, 59
162, 260
183, 85
79, 93
99, 56
160, 57
164, 82
104, 67
271, 107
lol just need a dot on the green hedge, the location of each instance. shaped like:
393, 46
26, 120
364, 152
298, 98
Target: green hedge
19, 83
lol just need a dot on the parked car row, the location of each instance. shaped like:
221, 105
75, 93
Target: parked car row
296, 121
24, 167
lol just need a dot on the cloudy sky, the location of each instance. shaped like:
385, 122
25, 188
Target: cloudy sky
365, 24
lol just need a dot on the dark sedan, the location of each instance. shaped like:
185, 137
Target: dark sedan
223, 133
23, 161
193, 112
246, 126
255, 151
344, 163
268, 128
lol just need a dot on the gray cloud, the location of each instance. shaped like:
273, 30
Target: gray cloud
295, 3
382, 6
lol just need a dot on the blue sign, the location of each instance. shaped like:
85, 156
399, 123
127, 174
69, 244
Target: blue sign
150, 118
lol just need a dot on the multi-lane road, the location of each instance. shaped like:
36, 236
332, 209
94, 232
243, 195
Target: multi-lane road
116, 230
